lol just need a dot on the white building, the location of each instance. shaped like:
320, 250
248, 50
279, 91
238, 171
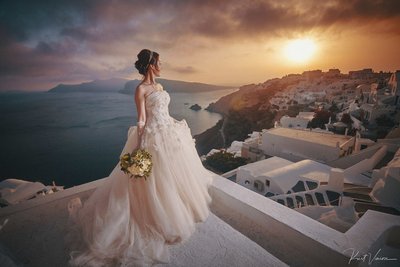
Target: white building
394, 85
387, 183
332, 73
316, 189
363, 92
251, 147
14, 191
306, 115
277, 176
293, 122
292, 178
361, 74
374, 111
235, 148
328, 193
300, 121
295, 144
248, 174
339, 217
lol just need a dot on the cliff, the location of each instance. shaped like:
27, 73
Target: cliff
209, 139
250, 95
244, 111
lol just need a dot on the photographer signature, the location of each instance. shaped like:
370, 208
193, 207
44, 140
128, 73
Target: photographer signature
367, 257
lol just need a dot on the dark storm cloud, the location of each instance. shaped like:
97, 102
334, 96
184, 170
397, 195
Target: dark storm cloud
268, 18
22, 19
48, 37
94, 20
39, 37
361, 10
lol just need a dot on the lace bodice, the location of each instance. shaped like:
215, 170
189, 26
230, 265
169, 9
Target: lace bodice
159, 124
157, 113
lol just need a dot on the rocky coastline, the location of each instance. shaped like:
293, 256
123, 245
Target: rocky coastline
243, 111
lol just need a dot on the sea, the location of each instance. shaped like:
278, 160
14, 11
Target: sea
75, 138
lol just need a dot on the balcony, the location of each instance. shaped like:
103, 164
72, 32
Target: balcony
244, 229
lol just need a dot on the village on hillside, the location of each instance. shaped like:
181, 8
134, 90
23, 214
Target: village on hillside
337, 157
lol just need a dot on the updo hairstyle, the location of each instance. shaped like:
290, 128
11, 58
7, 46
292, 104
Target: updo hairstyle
144, 60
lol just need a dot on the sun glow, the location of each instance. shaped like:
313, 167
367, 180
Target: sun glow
300, 50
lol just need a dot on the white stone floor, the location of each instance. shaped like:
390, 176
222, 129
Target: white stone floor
35, 238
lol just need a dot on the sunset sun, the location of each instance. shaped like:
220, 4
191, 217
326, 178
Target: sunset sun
300, 50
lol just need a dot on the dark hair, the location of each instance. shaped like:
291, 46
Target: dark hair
144, 60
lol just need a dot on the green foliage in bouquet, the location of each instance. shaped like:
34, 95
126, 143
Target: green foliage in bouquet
137, 164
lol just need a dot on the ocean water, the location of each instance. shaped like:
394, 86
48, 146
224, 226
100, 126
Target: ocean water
74, 138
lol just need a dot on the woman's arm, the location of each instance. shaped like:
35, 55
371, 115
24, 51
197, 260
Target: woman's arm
141, 110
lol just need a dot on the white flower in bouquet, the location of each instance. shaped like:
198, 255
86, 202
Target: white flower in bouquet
137, 164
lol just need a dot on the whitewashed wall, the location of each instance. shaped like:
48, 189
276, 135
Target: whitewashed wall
293, 149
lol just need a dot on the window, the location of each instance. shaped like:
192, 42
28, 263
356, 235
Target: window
299, 187
247, 182
267, 183
259, 185
289, 192
320, 199
363, 147
290, 202
269, 194
300, 201
333, 197
281, 201
232, 178
309, 199
311, 185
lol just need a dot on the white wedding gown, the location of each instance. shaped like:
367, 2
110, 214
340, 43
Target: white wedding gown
131, 222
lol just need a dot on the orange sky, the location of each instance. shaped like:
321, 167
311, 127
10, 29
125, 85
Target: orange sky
219, 42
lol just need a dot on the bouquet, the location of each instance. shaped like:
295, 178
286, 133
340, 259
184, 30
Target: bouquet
138, 163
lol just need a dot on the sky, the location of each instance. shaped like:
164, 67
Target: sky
236, 42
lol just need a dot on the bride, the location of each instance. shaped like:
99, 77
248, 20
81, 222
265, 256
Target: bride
130, 221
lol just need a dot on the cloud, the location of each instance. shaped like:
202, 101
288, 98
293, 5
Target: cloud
252, 19
359, 10
100, 20
184, 70
52, 38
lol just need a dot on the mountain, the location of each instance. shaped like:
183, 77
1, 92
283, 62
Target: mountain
176, 86
247, 96
244, 111
97, 86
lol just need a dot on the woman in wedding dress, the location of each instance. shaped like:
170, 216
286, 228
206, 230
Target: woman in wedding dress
131, 221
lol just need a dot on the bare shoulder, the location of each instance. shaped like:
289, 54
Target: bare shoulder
140, 90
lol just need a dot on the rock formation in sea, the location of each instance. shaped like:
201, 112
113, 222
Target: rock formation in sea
195, 107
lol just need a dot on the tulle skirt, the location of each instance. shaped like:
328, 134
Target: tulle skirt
130, 221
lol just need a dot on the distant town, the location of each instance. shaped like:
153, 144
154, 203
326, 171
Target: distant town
333, 151
360, 101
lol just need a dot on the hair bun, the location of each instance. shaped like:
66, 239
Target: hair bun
145, 57
140, 67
